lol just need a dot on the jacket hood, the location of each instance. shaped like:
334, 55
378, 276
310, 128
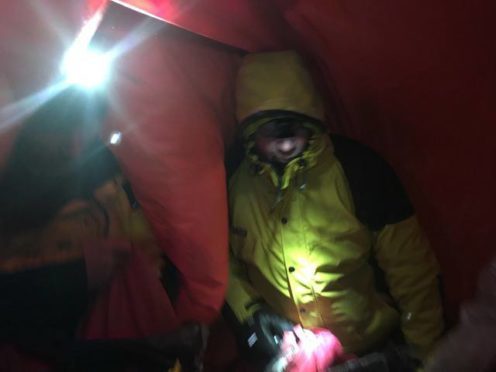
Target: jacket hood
275, 82
274, 86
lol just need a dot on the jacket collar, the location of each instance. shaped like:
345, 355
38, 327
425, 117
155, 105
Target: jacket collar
296, 168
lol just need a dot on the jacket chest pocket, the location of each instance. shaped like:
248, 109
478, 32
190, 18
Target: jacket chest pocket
242, 244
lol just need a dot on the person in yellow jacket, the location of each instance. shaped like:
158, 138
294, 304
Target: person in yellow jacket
316, 221
70, 227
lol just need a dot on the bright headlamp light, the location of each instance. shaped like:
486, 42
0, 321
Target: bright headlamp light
85, 67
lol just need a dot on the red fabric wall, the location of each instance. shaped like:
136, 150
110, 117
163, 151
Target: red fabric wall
172, 100
415, 80
244, 24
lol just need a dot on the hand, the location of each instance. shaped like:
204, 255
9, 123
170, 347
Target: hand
263, 335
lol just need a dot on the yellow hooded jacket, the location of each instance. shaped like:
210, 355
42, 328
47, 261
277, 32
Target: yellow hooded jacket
299, 244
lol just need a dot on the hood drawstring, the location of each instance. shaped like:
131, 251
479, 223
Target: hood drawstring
278, 198
304, 171
302, 163
255, 169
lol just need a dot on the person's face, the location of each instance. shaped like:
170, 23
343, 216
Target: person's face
281, 142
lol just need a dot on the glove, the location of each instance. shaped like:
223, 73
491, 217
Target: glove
263, 334
306, 350
318, 349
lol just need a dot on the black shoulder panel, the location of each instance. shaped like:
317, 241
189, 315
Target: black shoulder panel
377, 192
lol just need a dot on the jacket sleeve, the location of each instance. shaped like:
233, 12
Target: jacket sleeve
412, 275
401, 249
242, 298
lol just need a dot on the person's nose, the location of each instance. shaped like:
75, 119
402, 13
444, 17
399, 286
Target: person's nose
286, 144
